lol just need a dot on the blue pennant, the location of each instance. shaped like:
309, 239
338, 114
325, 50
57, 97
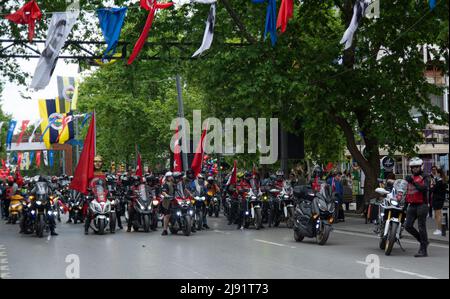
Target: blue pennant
271, 20
111, 22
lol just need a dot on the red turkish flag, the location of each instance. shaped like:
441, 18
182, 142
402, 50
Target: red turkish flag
139, 165
286, 12
151, 6
85, 168
198, 157
177, 163
28, 14
233, 177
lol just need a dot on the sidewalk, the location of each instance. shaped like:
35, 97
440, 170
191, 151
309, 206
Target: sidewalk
356, 223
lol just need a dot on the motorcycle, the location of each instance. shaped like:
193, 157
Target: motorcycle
283, 209
214, 205
392, 215
42, 211
156, 215
252, 210
181, 216
76, 204
100, 210
26, 220
314, 214
142, 216
199, 204
15, 209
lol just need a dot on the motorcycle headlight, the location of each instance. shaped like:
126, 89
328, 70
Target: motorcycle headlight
29, 205
197, 198
55, 213
178, 213
39, 202
253, 197
155, 202
33, 212
246, 213
286, 196
49, 213
215, 199
191, 212
394, 202
203, 198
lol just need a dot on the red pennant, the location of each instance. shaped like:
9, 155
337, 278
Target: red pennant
151, 6
22, 131
85, 168
38, 159
28, 14
286, 12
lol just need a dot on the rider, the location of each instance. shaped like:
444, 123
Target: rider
242, 188
52, 222
132, 195
417, 199
112, 187
198, 187
98, 179
168, 193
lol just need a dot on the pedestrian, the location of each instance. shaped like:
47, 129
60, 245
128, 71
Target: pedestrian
438, 189
336, 187
417, 199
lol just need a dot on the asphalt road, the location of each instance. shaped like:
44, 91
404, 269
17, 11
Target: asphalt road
220, 252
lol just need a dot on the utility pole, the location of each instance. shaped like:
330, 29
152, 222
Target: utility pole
181, 115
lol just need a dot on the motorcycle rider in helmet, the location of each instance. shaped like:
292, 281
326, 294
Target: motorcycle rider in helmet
99, 179
136, 181
110, 182
198, 187
51, 218
417, 199
168, 195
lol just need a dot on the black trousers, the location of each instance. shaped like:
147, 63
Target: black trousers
419, 213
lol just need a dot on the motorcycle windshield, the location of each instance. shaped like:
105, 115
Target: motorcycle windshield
143, 193
100, 193
400, 185
41, 188
325, 191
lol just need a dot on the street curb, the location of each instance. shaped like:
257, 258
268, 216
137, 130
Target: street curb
404, 237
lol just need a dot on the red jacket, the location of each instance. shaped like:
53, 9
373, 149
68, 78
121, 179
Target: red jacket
414, 195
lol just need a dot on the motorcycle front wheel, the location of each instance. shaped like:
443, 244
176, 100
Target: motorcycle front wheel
112, 223
391, 238
290, 220
323, 234
146, 223
187, 225
297, 236
101, 226
40, 224
258, 218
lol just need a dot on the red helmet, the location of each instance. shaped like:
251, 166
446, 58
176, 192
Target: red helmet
10, 179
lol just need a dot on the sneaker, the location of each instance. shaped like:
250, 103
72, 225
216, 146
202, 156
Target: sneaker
164, 233
53, 233
437, 232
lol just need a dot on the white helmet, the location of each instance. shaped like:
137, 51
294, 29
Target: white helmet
169, 173
416, 161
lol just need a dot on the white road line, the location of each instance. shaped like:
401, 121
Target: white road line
4, 268
267, 242
400, 271
375, 237
221, 232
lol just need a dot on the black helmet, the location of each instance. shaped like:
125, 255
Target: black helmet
210, 179
190, 173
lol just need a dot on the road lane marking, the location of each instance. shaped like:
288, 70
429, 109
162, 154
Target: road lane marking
221, 232
271, 243
376, 237
400, 271
4, 268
